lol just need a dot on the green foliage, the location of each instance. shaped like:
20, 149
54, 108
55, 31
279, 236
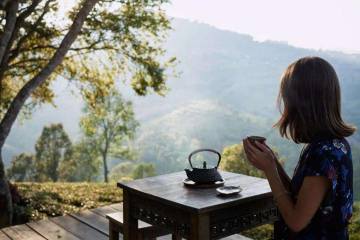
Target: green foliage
234, 160
131, 170
109, 125
52, 148
83, 165
354, 227
107, 129
22, 168
56, 159
143, 170
56, 199
118, 37
122, 171
53, 155
356, 165
260, 233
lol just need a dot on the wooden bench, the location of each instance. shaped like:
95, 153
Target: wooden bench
146, 231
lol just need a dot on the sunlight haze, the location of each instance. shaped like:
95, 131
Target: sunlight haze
321, 24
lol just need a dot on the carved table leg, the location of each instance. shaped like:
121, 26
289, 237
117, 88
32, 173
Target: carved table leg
200, 227
130, 222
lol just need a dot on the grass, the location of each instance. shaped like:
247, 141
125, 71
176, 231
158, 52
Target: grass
262, 232
42, 200
354, 227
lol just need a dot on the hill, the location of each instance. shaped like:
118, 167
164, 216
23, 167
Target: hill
168, 140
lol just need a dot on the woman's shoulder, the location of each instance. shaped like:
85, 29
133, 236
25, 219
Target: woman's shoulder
331, 147
330, 158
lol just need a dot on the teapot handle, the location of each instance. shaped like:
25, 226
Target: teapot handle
205, 150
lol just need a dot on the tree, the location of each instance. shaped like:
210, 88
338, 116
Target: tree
234, 160
97, 38
143, 170
52, 148
56, 159
129, 170
109, 125
83, 165
122, 171
22, 168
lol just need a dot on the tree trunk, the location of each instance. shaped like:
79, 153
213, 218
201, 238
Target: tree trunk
5, 39
3, 3
104, 153
19, 100
9, 26
18, 23
6, 208
104, 157
41, 77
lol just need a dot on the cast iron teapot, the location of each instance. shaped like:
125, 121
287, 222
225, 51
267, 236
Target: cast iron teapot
204, 175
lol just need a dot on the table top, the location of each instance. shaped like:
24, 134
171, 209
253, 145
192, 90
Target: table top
169, 188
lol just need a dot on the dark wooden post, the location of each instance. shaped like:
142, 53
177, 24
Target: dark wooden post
276, 229
200, 227
130, 223
175, 237
113, 231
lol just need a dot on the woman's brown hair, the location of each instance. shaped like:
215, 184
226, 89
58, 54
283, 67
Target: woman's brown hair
310, 94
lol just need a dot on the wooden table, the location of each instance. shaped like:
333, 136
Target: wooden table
190, 213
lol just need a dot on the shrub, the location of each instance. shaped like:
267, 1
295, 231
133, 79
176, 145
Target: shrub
41, 200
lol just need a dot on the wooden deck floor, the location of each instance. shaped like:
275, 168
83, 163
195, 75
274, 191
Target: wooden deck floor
87, 225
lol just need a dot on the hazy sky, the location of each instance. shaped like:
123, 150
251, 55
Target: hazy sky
319, 24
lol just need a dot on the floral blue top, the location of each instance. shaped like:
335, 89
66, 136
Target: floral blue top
330, 158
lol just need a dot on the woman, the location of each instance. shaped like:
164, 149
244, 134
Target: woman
317, 202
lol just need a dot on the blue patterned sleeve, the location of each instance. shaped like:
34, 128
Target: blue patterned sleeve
324, 161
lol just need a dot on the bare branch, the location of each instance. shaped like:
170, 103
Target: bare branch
38, 47
86, 51
91, 46
21, 63
41, 77
28, 71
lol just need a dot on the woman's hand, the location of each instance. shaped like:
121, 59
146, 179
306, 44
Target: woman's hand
260, 155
